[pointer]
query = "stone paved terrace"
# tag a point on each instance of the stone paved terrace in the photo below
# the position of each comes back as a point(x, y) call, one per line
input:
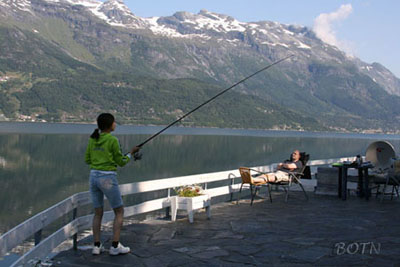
point(323, 231)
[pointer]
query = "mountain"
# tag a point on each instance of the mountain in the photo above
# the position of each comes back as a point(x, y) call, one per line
point(60, 59)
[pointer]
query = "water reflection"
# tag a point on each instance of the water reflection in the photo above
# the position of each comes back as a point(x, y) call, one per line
point(38, 170)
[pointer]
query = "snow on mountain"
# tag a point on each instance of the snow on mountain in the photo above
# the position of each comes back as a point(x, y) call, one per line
point(212, 21)
point(205, 24)
point(188, 25)
point(160, 29)
point(23, 5)
point(114, 12)
point(118, 14)
point(224, 28)
point(380, 75)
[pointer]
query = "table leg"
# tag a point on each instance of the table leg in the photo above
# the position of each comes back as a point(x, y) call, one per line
point(361, 182)
point(366, 190)
point(208, 211)
point(344, 183)
point(360, 186)
point(340, 182)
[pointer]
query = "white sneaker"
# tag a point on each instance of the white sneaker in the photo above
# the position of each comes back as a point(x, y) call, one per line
point(97, 250)
point(119, 250)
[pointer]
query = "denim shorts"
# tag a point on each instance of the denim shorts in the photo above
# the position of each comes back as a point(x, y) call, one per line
point(105, 183)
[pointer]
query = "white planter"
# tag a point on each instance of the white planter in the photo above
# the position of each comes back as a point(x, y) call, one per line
point(190, 204)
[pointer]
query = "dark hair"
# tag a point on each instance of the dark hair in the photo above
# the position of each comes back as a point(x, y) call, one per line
point(104, 122)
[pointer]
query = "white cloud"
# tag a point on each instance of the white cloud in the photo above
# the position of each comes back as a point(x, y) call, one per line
point(323, 27)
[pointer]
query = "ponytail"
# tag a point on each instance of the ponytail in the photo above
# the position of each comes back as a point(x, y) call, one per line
point(95, 134)
point(104, 122)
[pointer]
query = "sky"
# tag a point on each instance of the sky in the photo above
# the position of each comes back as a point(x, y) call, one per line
point(367, 29)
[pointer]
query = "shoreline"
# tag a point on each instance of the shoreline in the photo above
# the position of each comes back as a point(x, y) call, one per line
point(87, 128)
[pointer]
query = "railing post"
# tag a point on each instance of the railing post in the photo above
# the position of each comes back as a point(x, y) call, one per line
point(232, 183)
point(168, 209)
point(75, 236)
point(38, 237)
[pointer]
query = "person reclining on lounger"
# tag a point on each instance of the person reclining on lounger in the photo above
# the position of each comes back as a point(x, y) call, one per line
point(283, 169)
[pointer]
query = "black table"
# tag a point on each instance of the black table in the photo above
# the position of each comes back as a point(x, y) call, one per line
point(363, 179)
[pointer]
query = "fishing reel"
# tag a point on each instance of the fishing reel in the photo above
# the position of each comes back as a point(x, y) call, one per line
point(137, 156)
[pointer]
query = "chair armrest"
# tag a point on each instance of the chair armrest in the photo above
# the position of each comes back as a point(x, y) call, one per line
point(259, 172)
point(296, 173)
point(296, 176)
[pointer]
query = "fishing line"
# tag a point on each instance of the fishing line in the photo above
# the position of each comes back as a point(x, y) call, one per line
point(138, 156)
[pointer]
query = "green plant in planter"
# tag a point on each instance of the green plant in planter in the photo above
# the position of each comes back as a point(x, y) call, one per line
point(189, 191)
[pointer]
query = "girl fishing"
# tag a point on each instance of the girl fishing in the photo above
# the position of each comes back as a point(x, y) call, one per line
point(103, 154)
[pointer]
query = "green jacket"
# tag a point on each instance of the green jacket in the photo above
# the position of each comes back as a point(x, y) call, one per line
point(105, 153)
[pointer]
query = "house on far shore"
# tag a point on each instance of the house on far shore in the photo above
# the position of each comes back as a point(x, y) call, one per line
point(4, 78)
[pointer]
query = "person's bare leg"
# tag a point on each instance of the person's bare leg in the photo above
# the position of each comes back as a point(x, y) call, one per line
point(268, 177)
point(98, 216)
point(271, 177)
point(119, 216)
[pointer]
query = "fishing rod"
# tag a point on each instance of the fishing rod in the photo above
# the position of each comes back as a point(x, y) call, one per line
point(138, 156)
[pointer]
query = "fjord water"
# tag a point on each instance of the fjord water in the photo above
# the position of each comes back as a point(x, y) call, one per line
point(42, 164)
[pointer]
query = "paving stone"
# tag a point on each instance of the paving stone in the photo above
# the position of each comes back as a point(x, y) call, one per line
point(146, 251)
point(261, 240)
point(243, 248)
point(210, 253)
point(234, 264)
point(389, 239)
point(176, 242)
point(347, 260)
point(382, 262)
point(311, 254)
point(305, 241)
point(248, 227)
point(171, 258)
point(153, 261)
point(268, 258)
point(163, 233)
point(209, 263)
point(181, 261)
point(227, 234)
point(280, 247)
point(188, 233)
point(209, 225)
point(392, 250)
point(134, 238)
point(127, 259)
point(142, 228)
point(239, 258)
point(196, 249)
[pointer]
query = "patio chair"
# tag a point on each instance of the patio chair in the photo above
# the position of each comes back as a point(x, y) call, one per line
point(386, 169)
point(390, 178)
point(247, 178)
point(294, 178)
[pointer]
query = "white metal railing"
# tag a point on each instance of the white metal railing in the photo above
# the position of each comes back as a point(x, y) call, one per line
point(35, 224)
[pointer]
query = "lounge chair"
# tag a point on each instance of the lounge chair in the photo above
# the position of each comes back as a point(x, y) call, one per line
point(294, 178)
